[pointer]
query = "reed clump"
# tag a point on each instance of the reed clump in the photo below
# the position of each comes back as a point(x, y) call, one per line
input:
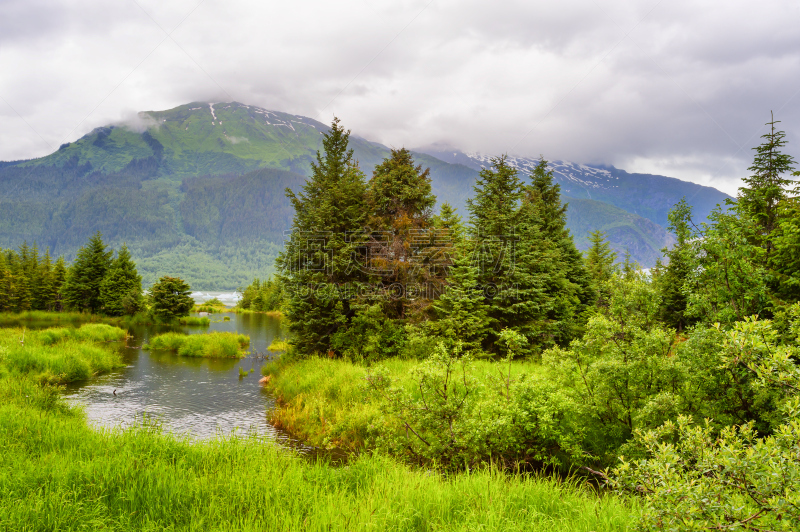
point(195, 321)
point(212, 345)
point(278, 345)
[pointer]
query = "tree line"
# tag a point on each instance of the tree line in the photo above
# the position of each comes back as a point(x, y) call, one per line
point(99, 281)
point(357, 246)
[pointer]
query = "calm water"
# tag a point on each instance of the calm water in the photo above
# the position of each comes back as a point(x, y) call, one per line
point(197, 396)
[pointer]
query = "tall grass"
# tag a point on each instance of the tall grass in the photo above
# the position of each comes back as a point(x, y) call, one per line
point(195, 321)
point(59, 355)
point(56, 474)
point(278, 345)
point(212, 345)
point(41, 316)
point(326, 401)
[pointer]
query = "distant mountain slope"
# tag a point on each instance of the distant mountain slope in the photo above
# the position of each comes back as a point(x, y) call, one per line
point(198, 191)
point(625, 231)
point(650, 196)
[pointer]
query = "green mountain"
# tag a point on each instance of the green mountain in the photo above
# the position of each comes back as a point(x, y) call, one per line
point(198, 192)
point(625, 231)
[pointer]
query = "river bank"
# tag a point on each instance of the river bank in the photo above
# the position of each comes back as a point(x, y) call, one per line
point(56, 473)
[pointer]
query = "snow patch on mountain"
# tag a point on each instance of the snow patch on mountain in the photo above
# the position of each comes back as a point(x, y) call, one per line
point(581, 175)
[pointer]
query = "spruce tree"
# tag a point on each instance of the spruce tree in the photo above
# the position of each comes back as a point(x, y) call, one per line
point(449, 220)
point(600, 265)
point(629, 266)
point(768, 185)
point(400, 200)
point(493, 210)
point(399, 188)
point(323, 260)
point(576, 294)
point(785, 261)
point(171, 298)
point(460, 313)
point(46, 290)
point(82, 288)
point(534, 307)
point(677, 272)
point(20, 298)
point(121, 282)
point(5, 283)
point(519, 269)
point(59, 279)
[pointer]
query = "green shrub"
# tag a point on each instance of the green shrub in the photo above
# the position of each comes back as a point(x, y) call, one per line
point(697, 477)
point(454, 416)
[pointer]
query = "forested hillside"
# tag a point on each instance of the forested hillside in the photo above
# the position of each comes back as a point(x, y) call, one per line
point(198, 192)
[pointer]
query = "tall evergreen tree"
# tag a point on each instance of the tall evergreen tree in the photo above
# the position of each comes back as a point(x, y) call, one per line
point(672, 282)
point(46, 292)
point(493, 210)
point(600, 265)
point(5, 283)
point(768, 185)
point(519, 265)
point(82, 288)
point(20, 298)
point(400, 201)
point(460, 313)
point(785, 261)
point(59, 279)
point(171, 298)
point(121, 282)
point(576, 294)
point(449, 220)
point(323, 261)
point(534, 307)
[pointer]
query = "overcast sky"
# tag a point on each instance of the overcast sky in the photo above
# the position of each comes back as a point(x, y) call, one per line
point(680, 88)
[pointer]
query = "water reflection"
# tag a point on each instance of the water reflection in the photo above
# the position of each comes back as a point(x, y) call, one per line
point(197, 396)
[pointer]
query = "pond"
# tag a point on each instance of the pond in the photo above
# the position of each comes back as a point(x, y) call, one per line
point(186, 395)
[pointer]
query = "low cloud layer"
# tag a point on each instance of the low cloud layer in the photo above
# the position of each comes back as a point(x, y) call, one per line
point(679, 88)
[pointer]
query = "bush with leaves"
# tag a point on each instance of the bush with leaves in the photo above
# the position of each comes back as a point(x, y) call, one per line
point(694, 478)
point(623, 369)
point(454, 418)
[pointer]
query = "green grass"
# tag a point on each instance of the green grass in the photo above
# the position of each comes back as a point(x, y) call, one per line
point(195, 321)
point(57, 474)
point(278, 345)
point(325, 401)
point(212, 306)
point(8, 319)
point(212, 345)
point(59, 355)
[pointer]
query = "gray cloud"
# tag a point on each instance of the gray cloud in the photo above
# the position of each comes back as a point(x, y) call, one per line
point(680, 88)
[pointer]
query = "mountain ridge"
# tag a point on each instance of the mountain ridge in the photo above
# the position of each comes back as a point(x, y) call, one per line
point(198, 191)
point(581, 180)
